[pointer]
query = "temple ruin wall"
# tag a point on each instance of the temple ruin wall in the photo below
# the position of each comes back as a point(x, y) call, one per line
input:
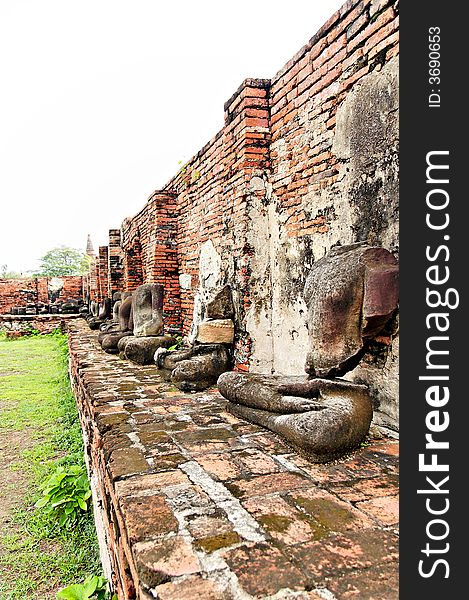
point(20, 292)
point(305, 161)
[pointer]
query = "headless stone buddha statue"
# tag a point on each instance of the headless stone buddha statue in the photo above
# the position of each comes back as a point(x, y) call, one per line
point(109, 339)
point(104, 314)
point(351, 294)
point(94, 308)
point(70, 306)
point(117, 298)
point(113, 323)
point(197, 367)
point(147, 317)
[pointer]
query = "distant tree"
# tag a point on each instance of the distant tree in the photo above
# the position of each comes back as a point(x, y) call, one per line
point(62, 261)
point(85, 264)
point(6, 274)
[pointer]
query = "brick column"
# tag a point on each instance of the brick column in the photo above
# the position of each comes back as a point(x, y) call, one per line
point(115, 263)
point(150, 252)
point(42, 289)
point(133, 269)
point(159, 250)
point(103, 272)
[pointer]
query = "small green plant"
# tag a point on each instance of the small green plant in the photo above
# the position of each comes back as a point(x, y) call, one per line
point(93, 587)
point(178, 344)
point(65, 494)
point(30, 330)
point(187, 177)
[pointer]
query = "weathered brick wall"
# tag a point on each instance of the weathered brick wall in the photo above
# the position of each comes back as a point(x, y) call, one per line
point(333, 179)
point(102, 274)
point(149, 245)
point(43, 290)
point(213, 223)
point(19, 325)
point(20, 292)
point(115, 263)
point(305, 161)
point(72, 287)
point(17, 292)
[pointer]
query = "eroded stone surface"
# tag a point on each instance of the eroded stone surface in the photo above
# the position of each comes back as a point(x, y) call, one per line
point(262, 569)
point(220, 306)
point(147, 309)
point(127, 461)
point(141, 350)
point(121, 326)
point(147, 517)
point(157, 562)
point(193, 588)
point(105, 309)
point(339, 554)
point(216, 331)
point(351, 293)
point(125, 312)
point(323, 418)
point(195, 368)
point(110, 340)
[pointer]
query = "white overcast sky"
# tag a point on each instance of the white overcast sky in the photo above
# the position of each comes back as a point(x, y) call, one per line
point(100, 99)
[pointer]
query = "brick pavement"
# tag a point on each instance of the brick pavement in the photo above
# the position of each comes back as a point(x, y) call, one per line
point(197, 504)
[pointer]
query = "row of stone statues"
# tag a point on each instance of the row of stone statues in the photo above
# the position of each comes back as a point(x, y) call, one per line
point(70, 306)
point(351, 294)
point(133, 328)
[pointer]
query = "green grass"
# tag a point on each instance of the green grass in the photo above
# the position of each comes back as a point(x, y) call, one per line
point(36, 402)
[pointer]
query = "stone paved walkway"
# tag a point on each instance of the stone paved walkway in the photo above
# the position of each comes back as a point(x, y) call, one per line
point(198, 504)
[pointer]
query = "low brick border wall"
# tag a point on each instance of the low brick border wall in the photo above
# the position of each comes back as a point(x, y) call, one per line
point(193, 503)
point(19, 325)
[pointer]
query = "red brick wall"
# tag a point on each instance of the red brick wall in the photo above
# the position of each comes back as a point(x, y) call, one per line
point(102, 272)
point(42, 290)
point(17, 292)
point(20, 292)
point(115, 263)
point(149, 245)
point(72, 287)
point(359, 38)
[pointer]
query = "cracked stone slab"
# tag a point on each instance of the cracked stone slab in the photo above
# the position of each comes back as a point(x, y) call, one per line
point(243, 522)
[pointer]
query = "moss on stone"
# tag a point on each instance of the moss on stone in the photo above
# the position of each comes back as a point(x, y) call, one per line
point(203, 435)
point(326, 512)
point(274, 522)
point(169, 461)
point(210, 544)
